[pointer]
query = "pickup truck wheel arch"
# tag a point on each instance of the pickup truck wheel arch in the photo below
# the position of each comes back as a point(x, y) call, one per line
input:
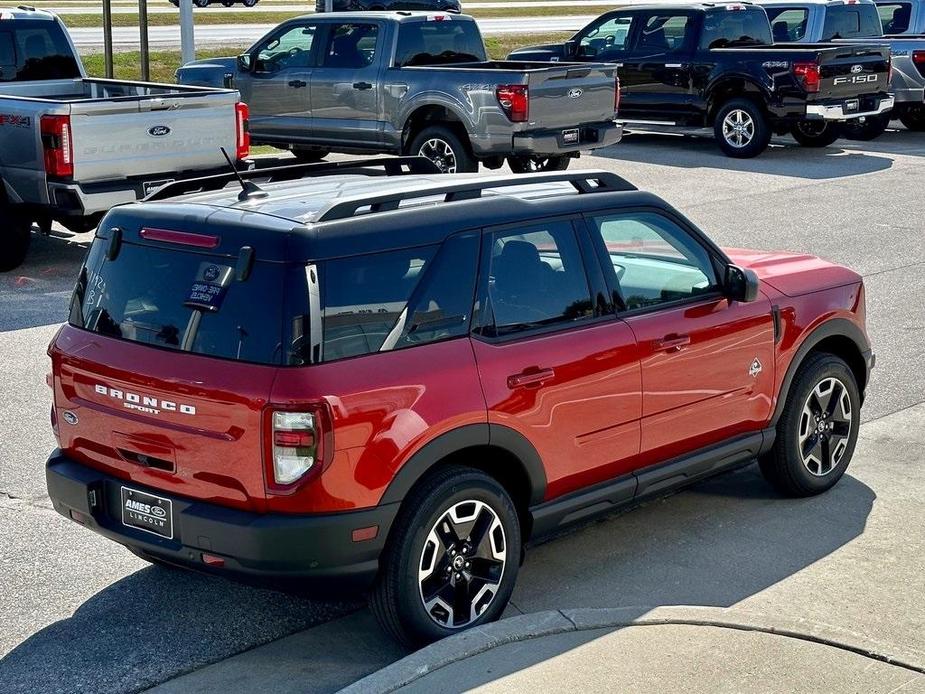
point(723, 92)
point(424, 116)
point(838, 336)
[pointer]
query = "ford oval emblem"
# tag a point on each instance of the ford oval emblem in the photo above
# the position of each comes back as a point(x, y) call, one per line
point(158, 512)
point(855, 69)
point(69, 417)
point(158, 131)
point(574, 93)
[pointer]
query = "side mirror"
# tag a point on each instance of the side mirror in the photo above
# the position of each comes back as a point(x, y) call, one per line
point(244, 62)
point(571, 48)
point(742, 284)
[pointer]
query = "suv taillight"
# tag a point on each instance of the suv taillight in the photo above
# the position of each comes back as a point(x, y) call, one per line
point(515, 101)
point(242, 130)
point(297, 444)
point(808, 75)
point(57, 146)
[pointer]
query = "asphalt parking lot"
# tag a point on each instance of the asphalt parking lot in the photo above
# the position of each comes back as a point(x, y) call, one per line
point(81, 613)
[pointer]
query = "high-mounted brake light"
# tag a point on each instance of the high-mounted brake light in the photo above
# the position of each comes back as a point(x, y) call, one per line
point(181, 237)
point(57, 146)
point(242, 131)
point(297, 445)
point(515, 101)
point(808, 75)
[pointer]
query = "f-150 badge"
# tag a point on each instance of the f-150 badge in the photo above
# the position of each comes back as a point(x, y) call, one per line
point(755, 369)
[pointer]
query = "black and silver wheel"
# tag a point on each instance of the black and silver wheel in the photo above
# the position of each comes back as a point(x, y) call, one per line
point(451, 560)
point(445, 149)
point(15, 238)
point(741, 129)
point(816, 133)
point(870, 128)
point(818, 429)
point(524, 164)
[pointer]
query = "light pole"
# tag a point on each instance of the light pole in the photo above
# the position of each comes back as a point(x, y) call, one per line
point(143, 40)
point(107, 37)
point(187, 38)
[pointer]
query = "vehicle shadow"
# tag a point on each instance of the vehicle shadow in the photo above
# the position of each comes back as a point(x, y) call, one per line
point(37, 292)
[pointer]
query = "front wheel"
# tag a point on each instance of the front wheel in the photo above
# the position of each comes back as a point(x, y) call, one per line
point(451, 560)
point(525, 164)
point(250, 3)
point(870, 129)
point(818, 429)
point(445, 149)
point(15, 238)
point(741, 129)
point(815, 133)
point(201, 3)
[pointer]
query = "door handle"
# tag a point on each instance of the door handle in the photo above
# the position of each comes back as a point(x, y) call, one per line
point(529, 377)
point(298, 84)
point(672, 343)
point(362, 86)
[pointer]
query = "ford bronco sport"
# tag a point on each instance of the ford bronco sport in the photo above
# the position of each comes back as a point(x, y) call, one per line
point(394, 382)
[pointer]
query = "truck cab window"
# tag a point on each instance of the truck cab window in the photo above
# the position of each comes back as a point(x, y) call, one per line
point(351, 46)
point(609, 36)
point(664, 33)
point(727, 28)
point(851, 22)
point(788, 24)
point(895, 17)
point(291, 48)
point(36, 50)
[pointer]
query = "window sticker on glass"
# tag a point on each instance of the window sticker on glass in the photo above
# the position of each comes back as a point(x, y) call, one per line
point(209, 288)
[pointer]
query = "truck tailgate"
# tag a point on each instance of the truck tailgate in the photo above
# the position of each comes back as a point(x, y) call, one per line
point(151, 135)
point(569, 95)
point(853, 71)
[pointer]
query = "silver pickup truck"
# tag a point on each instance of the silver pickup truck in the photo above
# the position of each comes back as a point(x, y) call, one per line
point(414, 83)
point(72, 147)
point(861, 21)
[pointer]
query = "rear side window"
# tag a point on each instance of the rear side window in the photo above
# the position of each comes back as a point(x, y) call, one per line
point(851, 22)
point(895, 16)
point(439, 43)
point(351, 46)
point(725, 28)
point(664, 33)
point(788, 24)
point(36, 50)
point(182, 301)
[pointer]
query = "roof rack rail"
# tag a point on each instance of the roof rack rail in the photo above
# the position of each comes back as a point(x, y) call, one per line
point(378, 166)
point(583, 181)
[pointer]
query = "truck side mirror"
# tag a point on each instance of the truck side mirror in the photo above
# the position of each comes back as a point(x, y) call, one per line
point(741, 284)
point(244, 62)
point(571, 48)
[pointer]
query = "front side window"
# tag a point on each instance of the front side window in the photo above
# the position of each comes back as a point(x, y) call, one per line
point(351, 46)
point(895, 17)
point(290, 49)
point(788, 24)
point(664, 33)
point(608, 36)
point(653, 261)
point(851, 22)
point(536, 279)
point(731, 27)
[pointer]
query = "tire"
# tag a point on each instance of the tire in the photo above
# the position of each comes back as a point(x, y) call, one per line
point(310, 156)
point(816, 133)
point(250, 3)
point(444, 148)
point(227, 3)
point(201, 3)
point(15, 238)
point(872, 128)
point(914, 118)
point(398, 599)
point(520, 165)
point(741, 129)
point(788, 466)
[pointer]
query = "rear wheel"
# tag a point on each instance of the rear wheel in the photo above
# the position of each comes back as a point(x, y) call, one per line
point(15, 237)
point(741, 129)
point(871, 128)
point(445, 149)
point(818, 429)
point(914, 118)
point(520, 165)
point(250, 3)
point(310, 156)
point(815, 133)
point(201, 3)
point(451, 560)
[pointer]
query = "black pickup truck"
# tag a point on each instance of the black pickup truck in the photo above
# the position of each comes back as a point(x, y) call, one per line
point(715, 65)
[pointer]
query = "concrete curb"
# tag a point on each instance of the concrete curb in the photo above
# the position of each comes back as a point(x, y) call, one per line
point(536, 625)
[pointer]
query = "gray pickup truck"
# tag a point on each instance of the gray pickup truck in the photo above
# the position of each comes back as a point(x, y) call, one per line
point(414, 83)
point(905, 20)
point(72, 147)
point(858, 21)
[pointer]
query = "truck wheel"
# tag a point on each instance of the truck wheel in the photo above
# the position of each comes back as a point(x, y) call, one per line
point(818, 429)
point(914, 118)
point(250, 3)
point(444, 148)
point(521, 165)
point(815, 133)
point(741, 129)
point(451, 560)
point(15, 237)
point(310, 156)
point(201, 3)
point(872, 127)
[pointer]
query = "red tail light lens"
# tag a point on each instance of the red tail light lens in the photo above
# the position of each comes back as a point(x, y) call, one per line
point(616, 95)
point(242, 130)
point(808, 75)
point(918, 57)
point(515, 101)
point(299, 441)
point(57, 146)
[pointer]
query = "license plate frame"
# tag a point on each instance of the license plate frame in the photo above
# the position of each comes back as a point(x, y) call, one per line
point(853, 106)
point(148, 187)
point(142, 515)
point(571, 136)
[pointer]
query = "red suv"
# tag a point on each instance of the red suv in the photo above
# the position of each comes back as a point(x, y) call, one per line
point(393, 382)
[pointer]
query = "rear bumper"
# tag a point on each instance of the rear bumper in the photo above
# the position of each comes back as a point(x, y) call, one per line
point(590, 136)
point(836, 111)
point(315, 552)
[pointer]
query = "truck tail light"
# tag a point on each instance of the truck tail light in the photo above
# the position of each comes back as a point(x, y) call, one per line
point(58, 146)
point(242, 130)
point(297, 444)
point(808, 75)
point(515, 101)
point(616, 95)
point(918, 58)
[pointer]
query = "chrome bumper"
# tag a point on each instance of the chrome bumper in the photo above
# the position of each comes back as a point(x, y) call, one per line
point(837, 111)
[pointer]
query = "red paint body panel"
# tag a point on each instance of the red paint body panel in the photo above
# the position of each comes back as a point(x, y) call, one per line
point(793, 274)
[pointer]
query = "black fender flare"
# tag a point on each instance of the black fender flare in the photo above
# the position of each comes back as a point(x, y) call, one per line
point(836, 327)
point(469, 436)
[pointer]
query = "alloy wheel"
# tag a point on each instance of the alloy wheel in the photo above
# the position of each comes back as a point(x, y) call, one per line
point(440, 153)
point(738, 128)
point(462, 564)
point(825, 427)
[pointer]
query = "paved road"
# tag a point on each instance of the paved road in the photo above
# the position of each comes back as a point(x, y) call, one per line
point(80, 612)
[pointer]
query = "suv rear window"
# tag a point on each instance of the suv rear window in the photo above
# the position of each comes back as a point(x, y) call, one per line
point(851, 22)
point(726, 28)
point(439, 43)
point(35, 50)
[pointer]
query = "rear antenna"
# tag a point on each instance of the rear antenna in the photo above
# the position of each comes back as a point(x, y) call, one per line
point(249, 189)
